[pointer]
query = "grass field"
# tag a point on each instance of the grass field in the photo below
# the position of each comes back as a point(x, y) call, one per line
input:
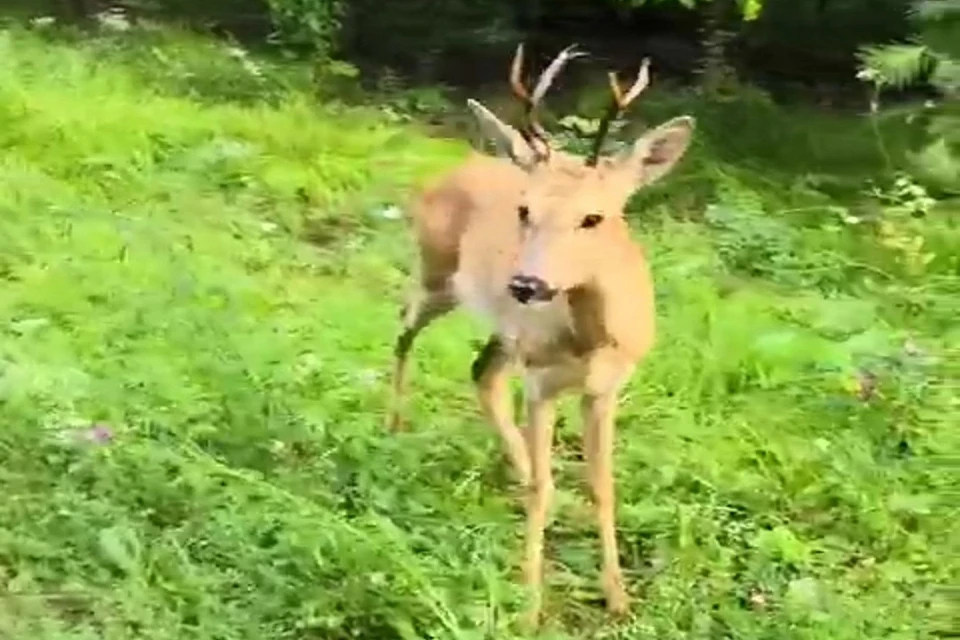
point(198, 298)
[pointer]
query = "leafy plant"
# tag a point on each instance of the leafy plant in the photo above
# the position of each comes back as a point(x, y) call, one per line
point(749, 9)
point(899, 228)
point(312, 25)
point(899, 65)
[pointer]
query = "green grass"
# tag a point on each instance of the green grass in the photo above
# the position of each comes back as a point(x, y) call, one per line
point(155, 278)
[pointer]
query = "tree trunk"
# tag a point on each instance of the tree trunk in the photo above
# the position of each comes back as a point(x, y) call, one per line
point(79, 10)
point(716, 72)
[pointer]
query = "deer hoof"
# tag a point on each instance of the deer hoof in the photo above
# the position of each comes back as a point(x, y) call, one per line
point(618, 602)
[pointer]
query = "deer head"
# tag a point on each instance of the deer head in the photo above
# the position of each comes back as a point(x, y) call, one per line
point(571, 207)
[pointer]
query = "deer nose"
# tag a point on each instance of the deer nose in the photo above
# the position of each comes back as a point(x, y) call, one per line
point(527, 288)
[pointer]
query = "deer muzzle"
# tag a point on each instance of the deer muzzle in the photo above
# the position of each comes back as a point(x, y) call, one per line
point(527, 289)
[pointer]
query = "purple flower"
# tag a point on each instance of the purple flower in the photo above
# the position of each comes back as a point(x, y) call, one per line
point(96, 434)
point(867, 383)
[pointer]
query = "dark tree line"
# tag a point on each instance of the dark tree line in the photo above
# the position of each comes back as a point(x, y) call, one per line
point(800, 39)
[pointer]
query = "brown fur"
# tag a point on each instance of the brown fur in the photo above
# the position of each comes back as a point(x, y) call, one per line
point(587, 339)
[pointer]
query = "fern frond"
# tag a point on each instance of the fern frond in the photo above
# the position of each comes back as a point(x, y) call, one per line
point(946, 126)
point(946, 76)
point(895, 65)
point(928, 10)
point(937, 162)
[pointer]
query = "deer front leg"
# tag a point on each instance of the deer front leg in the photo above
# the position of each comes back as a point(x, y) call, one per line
point(541, 412)
point(491, 373)
point(598, 415)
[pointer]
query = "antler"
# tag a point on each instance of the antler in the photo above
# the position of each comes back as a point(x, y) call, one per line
point(618, 105)
point(532, 130)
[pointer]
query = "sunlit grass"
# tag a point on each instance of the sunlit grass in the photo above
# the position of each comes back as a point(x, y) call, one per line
point(156, 281)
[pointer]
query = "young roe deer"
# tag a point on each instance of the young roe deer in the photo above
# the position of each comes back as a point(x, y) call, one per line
point(537, 244)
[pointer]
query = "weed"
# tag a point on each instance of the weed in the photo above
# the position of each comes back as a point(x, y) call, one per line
point(191, 392)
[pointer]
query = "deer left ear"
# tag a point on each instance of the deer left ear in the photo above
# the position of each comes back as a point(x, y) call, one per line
point(656, 152)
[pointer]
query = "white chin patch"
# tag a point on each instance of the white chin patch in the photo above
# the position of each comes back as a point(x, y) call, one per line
point(536, 304)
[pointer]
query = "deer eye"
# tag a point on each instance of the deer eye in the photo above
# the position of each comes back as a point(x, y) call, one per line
point(591, 220)
point(523, 212)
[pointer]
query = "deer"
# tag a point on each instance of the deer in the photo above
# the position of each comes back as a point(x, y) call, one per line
point(534, 240)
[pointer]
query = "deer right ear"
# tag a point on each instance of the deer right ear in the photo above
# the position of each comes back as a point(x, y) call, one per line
point(508, 140)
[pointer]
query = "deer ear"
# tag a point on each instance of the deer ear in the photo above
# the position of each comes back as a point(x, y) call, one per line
point(508, 140)
point(656, 152)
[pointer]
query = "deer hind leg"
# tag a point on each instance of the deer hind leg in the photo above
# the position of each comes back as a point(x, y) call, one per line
point(424, 307)
point(491, 374)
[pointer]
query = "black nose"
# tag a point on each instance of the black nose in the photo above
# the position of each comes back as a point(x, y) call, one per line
point(527, 288)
